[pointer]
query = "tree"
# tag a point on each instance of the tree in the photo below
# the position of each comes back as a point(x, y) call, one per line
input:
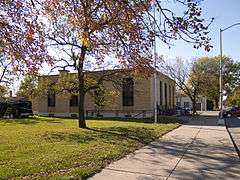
point(187, 78)
point(207, 68)
point(21, 38)
point(32, 86)
point(88, 31)
point(233, 99)
point(99, 97)
point(28, 87)
point(3, 90)
point(6, 76)
point(5, 71)
point(202, 77)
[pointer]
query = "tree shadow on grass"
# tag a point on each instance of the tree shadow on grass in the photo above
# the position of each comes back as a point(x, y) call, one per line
point(69, 137)
point(139, 134)
point(50, 120)
point(112, 135)
point(29, 120)
point(161, 119)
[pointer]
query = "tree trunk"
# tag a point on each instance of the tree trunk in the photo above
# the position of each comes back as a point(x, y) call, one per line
point(81, 115)
point(194, 106)
point(216, 103)
point(194, 98)
point(81, 90)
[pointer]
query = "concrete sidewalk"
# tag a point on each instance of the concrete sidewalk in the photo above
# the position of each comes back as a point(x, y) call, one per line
point(199, 150)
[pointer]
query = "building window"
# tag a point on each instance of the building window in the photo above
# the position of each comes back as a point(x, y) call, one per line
point(161, 94)
point(127, 92)
point(186, 104)
point(173, 96)
point(74, 100)
point(170, 96)
point(165, 94)
point(51, 99)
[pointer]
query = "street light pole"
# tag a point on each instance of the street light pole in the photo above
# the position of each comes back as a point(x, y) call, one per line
point(155, 65)
point(221, 119)
point(220, 76)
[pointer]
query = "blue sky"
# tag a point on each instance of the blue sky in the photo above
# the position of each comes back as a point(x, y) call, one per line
point(225, 12)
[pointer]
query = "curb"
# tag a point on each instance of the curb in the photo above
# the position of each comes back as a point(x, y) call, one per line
point(234, 144)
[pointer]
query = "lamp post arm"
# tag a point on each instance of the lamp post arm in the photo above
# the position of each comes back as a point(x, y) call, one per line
point(229, 27)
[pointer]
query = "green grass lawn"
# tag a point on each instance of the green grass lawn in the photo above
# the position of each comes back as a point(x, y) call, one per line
point(52, 148)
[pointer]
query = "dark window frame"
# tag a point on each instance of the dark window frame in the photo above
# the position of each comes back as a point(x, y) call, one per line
point(161, 93)
point(51, 98)
point(165, 94)
point(173, 95)
point(73, 102)
point(170, 95)
point(128, 92)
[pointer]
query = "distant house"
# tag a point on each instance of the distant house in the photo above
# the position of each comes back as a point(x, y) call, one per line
point(184, 101)
point(135, 98)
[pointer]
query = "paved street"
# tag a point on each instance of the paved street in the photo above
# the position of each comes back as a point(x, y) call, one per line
point(233, 125)
point(199, 150)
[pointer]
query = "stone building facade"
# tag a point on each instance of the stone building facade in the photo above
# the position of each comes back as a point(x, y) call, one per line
point(135, 98)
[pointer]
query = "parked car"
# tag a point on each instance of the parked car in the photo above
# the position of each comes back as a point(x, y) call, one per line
point(231, 112)
point(15, 108)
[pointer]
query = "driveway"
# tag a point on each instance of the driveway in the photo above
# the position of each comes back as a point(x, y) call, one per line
point(198, 150)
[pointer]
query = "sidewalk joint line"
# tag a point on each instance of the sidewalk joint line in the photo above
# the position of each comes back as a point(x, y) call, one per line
point(187, 148)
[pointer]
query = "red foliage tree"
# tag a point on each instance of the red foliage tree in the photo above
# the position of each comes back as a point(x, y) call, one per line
point(123, 28)
point(21, 38)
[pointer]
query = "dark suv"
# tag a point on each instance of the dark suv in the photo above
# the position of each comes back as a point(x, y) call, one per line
point(15, 108)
